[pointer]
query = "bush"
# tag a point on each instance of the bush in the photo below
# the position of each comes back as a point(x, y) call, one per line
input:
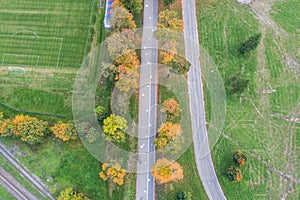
point(70, 194)
point(28, 129)
point(250, 44)
point(64, 131)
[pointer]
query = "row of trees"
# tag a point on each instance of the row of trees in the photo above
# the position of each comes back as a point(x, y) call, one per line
point(169, 131)
point(32, 130)
point(171, 26)
point(234, 173)
point(238, 83)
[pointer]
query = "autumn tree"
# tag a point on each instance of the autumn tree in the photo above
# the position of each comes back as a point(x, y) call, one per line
point(165, 171)
point(179, 64)
point(166, 133)
point(134, 6)
point(70, 194)
point(239, 158)
point(28, 129)
point(125, 62)
point(129, 81)
point(250, 44)
point(113, 172)
point(64, 131)
point(121, 18)
point(170, 19)
point(120, 43)
point(234, 174)
point(114, 128)
point(171, 107)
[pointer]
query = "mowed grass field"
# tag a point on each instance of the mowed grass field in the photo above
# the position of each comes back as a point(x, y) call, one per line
point(43, 33)
point(47, 91)
point(272, 143)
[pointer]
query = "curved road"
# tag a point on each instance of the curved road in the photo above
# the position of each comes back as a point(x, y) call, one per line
point(201, 146)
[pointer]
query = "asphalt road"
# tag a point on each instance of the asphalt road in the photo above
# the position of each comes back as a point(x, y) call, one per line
point(201, 146)
point(145, 186)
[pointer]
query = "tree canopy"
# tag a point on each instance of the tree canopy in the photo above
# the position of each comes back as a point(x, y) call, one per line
point(113, 172)
point(250, 44)
point(28, 129)
point(64, 131)
point(114, 128)
point(134, 6)
point(234, 174)
point(165, 171)
point(70, 194)
point(121, 18)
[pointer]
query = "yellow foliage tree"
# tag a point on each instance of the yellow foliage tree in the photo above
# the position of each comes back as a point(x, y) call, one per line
point(113, 172)
point(64, 131)
point(70, 194)
point(165, 171)
point(114, 128)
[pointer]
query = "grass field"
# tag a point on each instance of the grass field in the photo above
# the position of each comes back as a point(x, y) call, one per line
point(67, 165)
point(45, 33)
point(272, 143)
point(39, 90)
point(5, 194)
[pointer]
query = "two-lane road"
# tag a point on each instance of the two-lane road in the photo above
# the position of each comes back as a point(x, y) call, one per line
point(147, 104)
point(201, 145)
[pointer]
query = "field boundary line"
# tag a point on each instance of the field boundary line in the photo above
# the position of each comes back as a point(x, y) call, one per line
point(13, 64)
point(34, 36)
point(89, 32)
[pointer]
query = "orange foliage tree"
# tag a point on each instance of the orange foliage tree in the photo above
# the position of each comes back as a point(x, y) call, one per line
point(64, 131)
point(165, 171)
point(171, 107)
point(113, 172)
point(166, 133)
point(234, 174)
point(239, 158)
point(28, 129)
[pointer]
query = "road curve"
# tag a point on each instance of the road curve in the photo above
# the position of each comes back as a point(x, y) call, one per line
point(201, 146)
point(14, 187)
point(34, 181)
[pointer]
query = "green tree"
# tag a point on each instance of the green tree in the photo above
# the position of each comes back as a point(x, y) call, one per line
point(114, 128)
point(169, 2)
point(180, 195)
point(134, 6)
point(237, 84)
point(250, 44)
